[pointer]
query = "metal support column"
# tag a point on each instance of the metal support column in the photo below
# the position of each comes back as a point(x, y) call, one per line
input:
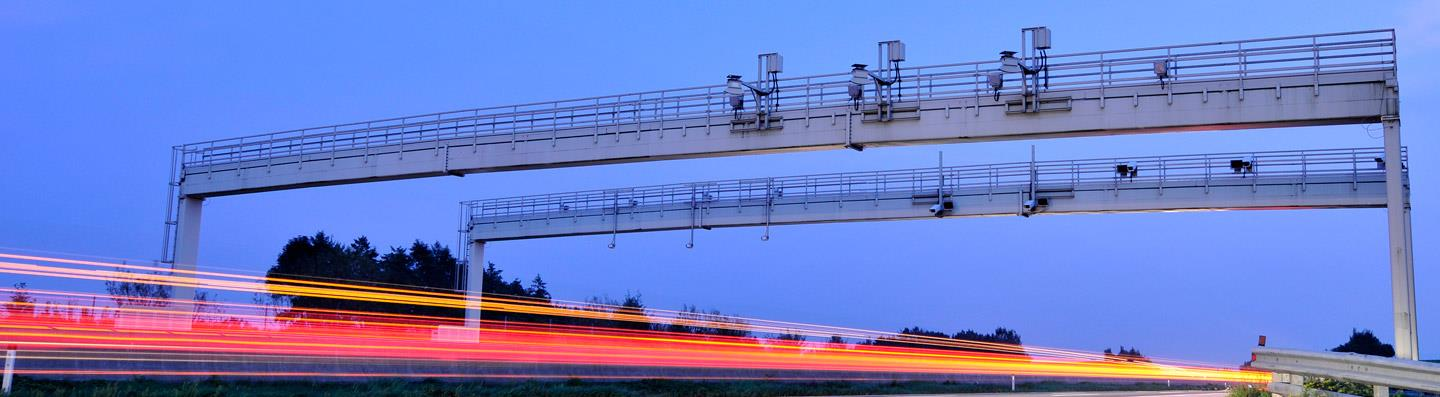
point(1402, 265)
point(9, 376)
point(187, 255)
point(474, 284)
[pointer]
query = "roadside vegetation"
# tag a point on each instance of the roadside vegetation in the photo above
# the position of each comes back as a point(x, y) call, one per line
point(1248, 391)
point(1361, 342)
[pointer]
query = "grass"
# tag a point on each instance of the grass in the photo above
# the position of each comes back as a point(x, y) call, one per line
point(1246, 391)
point(27, 387)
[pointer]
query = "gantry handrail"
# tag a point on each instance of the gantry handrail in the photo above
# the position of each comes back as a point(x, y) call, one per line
point(1306, 55)
point(1161, 171)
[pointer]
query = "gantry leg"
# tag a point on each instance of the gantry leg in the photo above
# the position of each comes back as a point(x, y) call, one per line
point(187, 254)
point(475, 283)
point(1402, 263)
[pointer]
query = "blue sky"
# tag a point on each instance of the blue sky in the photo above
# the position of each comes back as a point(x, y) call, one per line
point(92, 95)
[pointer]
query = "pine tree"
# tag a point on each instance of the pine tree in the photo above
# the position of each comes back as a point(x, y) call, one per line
point(537, 289)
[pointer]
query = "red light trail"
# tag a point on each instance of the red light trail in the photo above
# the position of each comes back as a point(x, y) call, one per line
point(231, 339)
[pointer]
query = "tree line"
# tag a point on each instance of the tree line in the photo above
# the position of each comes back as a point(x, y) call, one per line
point(433, 267)
point(421, 267)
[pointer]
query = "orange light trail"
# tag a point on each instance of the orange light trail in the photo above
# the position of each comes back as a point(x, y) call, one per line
point(245, 334)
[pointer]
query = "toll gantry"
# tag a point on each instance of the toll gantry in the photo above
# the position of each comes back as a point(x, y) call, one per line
point(1336, 178)
point(1323, 79)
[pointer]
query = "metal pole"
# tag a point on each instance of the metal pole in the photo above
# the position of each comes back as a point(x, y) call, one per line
point(187, 256)
point(474, 284)
point(9, 370)
point(166, 254)
point(940, 189)
point(1402, 266)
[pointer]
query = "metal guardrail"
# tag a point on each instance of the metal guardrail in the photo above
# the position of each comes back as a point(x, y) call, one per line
point(1370, 370)
point(1203, 169)
point(1308, 55)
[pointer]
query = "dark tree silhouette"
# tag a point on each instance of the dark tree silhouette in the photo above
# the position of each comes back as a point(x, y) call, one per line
point(137, 293)
point(1361, 342)
point(916, 337)
point(632, 305)
point(21, 302)
point(321, 258)
point(1365, 342)
point(537, 289)
point(789, 336)
point(610, 313)
point(691, 320)
point(1130, 355)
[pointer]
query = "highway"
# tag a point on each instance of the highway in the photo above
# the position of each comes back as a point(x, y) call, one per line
point(1172, 393)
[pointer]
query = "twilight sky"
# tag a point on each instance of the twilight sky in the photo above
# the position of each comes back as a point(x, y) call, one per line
point(92, 95)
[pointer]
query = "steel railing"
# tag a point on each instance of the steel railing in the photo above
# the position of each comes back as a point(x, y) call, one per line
point(1156, 171)
point(1369, 370)
point(1308, 55)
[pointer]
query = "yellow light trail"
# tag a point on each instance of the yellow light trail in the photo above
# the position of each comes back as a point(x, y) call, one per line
point(250, 332)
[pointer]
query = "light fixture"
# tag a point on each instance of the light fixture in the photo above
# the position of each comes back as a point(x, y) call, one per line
point(859, 77)
point(1009, 63)
point(1242, 166)
point(733, 86)
point(735, 91)
point(1163, 69)
point(1126, 171)
point(997, 81)
point(858, 74)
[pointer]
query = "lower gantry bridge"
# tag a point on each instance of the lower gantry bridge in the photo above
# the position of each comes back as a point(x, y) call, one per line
point(1336, 178)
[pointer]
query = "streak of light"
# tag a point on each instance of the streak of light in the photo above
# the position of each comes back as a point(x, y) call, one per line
point(249, 333)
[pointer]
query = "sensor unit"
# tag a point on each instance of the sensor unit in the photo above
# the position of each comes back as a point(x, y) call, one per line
point(896, 50)
point(1040, 37)
point(1162, 69)
point(1009, 63)
point(774, 63)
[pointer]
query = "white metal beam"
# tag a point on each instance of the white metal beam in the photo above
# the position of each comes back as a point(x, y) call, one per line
point(1267, 193)
point(1319, 79)
point(474, 284)
point(1276, 180)
point(1349, 97)
point(1371, 370)
point(1402, 265)
point(187, 256)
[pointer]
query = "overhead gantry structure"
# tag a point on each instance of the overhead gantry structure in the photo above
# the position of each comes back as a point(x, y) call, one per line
point(1325, 79)
point(1275, 180)
point(1334, 178)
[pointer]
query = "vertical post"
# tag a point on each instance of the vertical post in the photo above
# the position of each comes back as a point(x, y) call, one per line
point(187, 254)
point(1012, 382)
point(474, 284)
point(1402, 266)
point(9, 370)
